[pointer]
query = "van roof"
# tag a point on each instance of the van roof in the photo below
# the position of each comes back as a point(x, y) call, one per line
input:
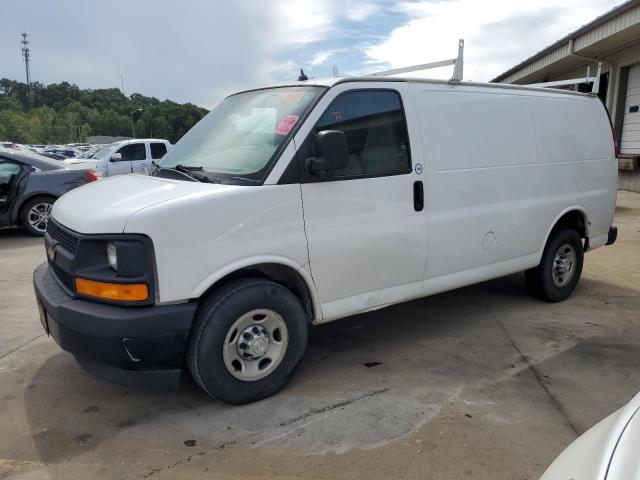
point(331, 81)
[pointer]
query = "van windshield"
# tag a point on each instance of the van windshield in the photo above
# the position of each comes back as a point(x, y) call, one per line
point(239, 138)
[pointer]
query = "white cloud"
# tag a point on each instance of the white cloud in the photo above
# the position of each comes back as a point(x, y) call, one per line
point(201, 50)
point(320, 58)
point(195, 50)
point(306, 21)
point(359, 11)
point(497, 33)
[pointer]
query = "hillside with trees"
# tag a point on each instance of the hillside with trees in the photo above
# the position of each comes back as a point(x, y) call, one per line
point(63, 113)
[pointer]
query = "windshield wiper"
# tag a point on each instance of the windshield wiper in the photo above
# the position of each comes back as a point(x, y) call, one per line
point(188, 168)
point(191, 172)
point(244, 179)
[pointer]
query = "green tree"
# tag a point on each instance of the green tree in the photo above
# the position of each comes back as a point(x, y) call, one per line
point(64, 113)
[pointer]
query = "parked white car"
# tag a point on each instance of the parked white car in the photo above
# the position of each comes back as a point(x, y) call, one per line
point(304, 203)
point(607, 451)
point(129, 156)
point(10, 145)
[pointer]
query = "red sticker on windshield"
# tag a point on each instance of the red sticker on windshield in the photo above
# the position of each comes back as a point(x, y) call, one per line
point(286, 124)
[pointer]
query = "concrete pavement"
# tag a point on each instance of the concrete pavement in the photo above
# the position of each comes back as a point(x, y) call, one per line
point(484, 382)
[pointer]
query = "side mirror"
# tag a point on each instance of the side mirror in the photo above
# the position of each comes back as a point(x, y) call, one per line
point(333, 153)
point(116, 157)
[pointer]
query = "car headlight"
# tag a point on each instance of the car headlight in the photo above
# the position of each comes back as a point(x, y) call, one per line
point(116, 269)
point(112, 256)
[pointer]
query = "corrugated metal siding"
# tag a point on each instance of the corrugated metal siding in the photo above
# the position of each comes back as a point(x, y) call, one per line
point(578, 72)
point(629, 180)
point(530, 68)
point(625, 57)
point(630, 140)
point(611, 27)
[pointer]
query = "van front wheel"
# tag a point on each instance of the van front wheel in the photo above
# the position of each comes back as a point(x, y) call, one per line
point(248, 338)
point(560, 268)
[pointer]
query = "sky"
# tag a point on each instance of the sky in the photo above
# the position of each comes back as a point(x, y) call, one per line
point(199, 51)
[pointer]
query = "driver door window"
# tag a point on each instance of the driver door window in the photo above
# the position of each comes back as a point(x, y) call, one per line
point(373, 122)
point(133, 152)
point(9, 171)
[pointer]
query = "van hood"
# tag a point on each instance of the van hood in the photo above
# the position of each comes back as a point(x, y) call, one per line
point(105, 206)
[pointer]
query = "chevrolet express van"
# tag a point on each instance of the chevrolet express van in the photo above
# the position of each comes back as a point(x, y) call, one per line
point(303, 203)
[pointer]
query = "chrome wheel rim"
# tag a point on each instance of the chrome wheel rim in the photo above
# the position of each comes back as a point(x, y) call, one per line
point(38, 216)
point(255, 345)
point(564, 265)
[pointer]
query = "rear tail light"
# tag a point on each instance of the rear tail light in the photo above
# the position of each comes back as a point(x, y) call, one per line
point(92, 175)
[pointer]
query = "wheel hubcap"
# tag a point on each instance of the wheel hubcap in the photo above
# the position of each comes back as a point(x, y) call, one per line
point(253, 342)
point(563, 266)
point(39, 215)
point(255, 345)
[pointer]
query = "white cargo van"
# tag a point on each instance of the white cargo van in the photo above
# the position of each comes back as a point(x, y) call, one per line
point(303, 203)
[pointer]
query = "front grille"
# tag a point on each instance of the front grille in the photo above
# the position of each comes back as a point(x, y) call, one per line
point(65, 239)
point(65, 278)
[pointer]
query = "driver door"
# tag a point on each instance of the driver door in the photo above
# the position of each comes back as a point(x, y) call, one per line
point(130, 152)
point(366, 228)
point(10, 175)
point(143, 164)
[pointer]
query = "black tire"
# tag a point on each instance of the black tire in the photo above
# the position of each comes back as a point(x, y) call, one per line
point(214, 319)
point(26, 208)
point(540, 279)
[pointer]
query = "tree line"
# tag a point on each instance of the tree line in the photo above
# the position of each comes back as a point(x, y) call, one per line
point(63, 113)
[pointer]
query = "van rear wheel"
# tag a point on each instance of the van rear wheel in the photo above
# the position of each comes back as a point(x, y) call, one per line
point(248, 339)
point(560, 267)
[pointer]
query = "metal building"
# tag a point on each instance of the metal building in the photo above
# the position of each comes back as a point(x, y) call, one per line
point(614, 40)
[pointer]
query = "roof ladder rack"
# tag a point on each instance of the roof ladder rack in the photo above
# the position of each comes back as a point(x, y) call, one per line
point(458, 64)
point(576, 81)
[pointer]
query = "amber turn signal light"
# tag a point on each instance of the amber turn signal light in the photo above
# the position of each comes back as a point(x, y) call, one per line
point(126, 292)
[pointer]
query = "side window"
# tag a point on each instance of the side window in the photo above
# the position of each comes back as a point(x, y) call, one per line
point(158, 150)
point(8, 172)
point(132, 152)
point(7, 169)
point(374, 123)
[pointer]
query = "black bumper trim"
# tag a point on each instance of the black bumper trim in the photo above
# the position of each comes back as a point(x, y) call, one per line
point(156, 336)
point(156, 379)
point(613, 235)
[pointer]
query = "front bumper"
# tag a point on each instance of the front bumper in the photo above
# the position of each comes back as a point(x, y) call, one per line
point(137, 346)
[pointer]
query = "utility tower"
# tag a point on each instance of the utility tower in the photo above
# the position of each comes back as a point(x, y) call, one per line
point(25, 55)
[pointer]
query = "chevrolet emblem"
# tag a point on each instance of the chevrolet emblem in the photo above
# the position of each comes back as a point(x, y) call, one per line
point(51, 251)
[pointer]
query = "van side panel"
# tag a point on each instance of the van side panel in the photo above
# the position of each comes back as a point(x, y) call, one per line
point(575, 133)
point(206, 240)
point(501, 166)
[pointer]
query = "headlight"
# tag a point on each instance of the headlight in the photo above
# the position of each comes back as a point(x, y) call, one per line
point(112, 256)
point(115, 268)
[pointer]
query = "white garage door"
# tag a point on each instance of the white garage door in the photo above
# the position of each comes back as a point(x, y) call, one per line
point(630, 142)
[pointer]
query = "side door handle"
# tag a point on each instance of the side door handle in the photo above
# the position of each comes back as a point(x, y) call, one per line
point(418, 196)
